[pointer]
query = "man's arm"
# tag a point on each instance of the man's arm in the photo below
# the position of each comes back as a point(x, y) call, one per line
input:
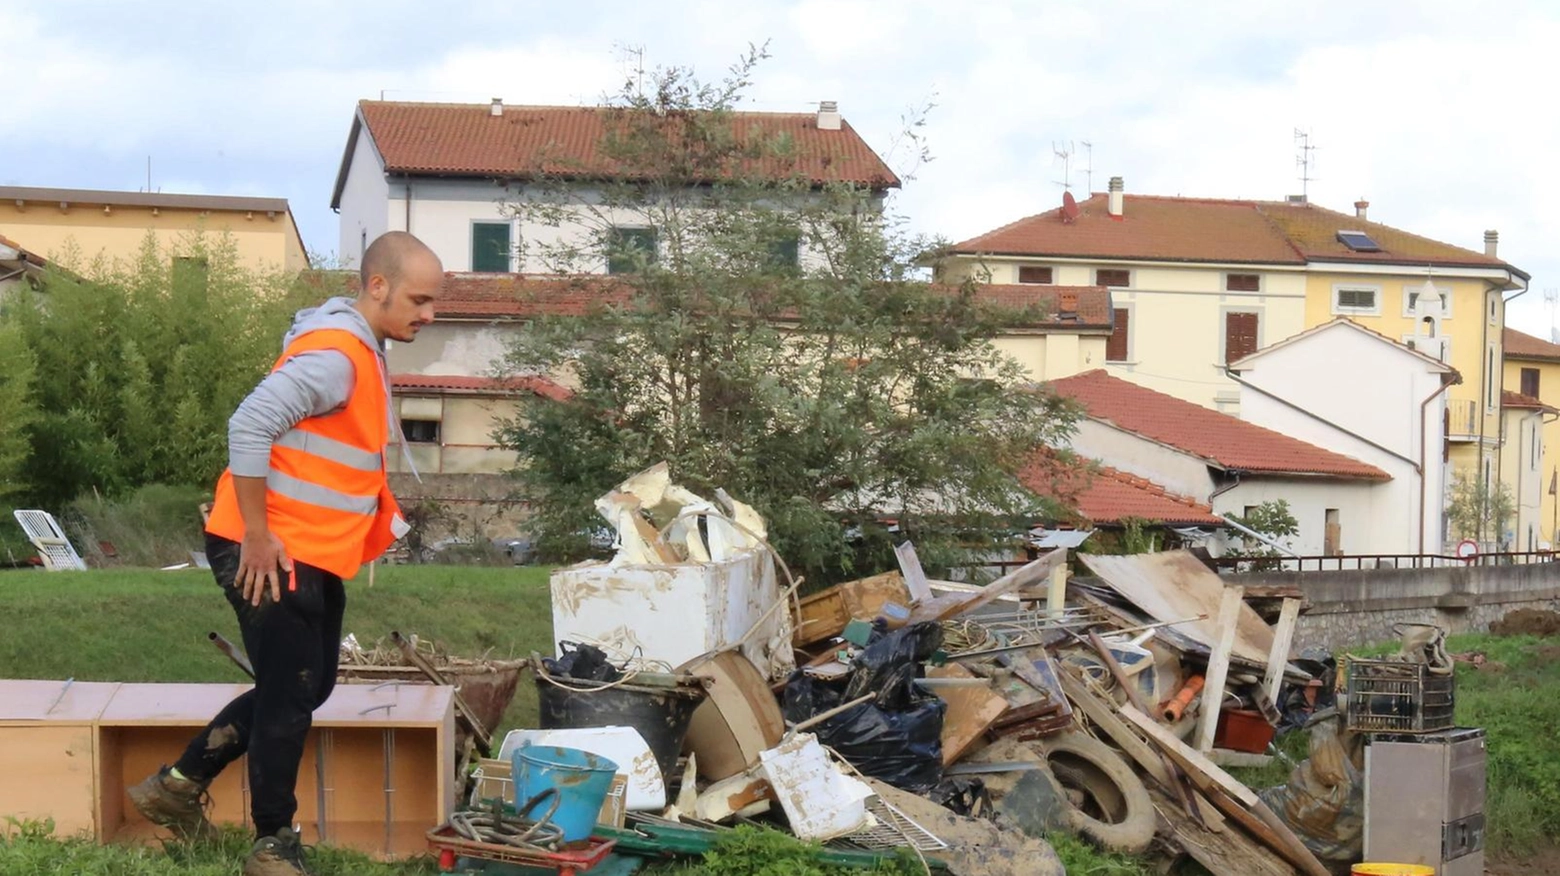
point(308, 384)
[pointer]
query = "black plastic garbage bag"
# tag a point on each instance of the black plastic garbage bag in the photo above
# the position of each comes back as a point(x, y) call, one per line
point(584, 662)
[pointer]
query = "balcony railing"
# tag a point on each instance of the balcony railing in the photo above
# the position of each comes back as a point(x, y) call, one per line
point(1462, 419)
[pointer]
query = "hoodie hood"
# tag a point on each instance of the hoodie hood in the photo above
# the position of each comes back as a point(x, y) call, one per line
point(335, 313)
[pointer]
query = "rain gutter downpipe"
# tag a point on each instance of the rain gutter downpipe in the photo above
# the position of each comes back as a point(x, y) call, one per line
point(1424, 460)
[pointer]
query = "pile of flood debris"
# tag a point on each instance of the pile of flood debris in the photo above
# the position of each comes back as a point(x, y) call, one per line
point(1101, 695)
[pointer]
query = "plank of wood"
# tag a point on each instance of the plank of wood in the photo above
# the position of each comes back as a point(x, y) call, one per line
point(1219, 665)
point(1227, 853)
point(952, 604)
point(1104, 716)
point(1283, 639)
point(971, 710)
point(1056, 592)
point(1236, 800)
point(915, 576)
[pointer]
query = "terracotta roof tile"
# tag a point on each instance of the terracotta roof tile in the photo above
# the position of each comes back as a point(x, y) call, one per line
point(1211, 230)
point(1081, 306)
point(1517, 345)
point(467, 140)
point(1108, 496)
point(479, 385)
point(1509, 399)
point(1223, 441)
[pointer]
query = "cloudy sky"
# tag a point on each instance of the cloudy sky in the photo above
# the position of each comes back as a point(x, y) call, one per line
point(1441, 114)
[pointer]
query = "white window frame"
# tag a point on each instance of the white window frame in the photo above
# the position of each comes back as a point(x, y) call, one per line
point(1339, 310)
point(1412, 289)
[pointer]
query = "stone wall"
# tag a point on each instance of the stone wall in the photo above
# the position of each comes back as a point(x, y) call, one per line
point(1352, 608)
point(481, 503)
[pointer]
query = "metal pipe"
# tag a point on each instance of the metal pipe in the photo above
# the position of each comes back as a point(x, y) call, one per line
point(233, 653)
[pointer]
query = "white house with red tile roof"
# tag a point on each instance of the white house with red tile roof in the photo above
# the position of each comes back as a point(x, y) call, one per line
point(1309, 387)
point(1231, 465)
point(445, 172)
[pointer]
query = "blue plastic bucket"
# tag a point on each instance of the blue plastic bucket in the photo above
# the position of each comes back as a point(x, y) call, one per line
point(580, 779)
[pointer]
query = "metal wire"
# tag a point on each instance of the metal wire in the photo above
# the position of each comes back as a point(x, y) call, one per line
point(496, 827)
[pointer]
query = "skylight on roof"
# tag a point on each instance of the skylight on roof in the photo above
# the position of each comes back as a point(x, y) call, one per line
point(1358, 241)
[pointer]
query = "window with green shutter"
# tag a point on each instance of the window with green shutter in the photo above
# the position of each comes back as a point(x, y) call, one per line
point(629, 248)
point(490, 247)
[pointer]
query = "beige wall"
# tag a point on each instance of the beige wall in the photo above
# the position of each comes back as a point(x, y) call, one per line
point(1055, 355)
point(1549, 393)
point(263, 243)
point(466, 443)
point(1521, 470)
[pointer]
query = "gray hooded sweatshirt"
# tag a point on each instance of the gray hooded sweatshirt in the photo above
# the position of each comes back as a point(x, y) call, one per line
point(309, 384)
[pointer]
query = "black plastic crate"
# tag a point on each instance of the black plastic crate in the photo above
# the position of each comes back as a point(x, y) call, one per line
point(1394, 696)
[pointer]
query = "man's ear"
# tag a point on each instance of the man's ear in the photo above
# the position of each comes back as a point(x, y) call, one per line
point(378, 288)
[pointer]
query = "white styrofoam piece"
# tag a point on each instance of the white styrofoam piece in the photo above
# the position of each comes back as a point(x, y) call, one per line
point(820, 802)
point(623, 746)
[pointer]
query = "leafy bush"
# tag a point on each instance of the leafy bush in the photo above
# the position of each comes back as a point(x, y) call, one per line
point(156, 525)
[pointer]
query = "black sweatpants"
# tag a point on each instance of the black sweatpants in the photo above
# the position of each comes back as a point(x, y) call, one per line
point(294, 646)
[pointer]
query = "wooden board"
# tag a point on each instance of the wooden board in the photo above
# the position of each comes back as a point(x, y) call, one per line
point(1230, 605)
point(953, 604)
point(1229, 853)
point(738, 719)
point(971, 710)
point(915, 576)
point(825, 614)
point(49, 774)
point(1283, 639)
point(57, 702)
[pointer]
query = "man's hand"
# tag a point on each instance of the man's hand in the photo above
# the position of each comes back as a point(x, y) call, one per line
point(259, 557)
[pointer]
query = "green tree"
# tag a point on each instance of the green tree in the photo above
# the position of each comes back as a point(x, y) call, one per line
point(138, 364)
point(1479, 509)
point(1272, 519)
point(18, 411)
point(770, 336)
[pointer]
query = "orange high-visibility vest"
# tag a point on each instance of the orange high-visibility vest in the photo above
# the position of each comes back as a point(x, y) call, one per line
point(327, 496)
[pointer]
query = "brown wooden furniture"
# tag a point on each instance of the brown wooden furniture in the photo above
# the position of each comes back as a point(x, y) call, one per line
point(48, 752)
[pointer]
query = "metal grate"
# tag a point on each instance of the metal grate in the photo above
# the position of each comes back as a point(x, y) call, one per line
point(894, 830)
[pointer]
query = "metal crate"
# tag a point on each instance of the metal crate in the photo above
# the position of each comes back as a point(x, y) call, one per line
point(1394, 696)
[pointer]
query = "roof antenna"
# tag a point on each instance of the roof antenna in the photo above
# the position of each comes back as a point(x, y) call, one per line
point(1551, 298)
point(1066, 156)
point(1088, 171)
point(1305, 161)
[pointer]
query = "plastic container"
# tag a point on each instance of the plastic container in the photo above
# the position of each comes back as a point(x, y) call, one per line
point(580, 780)
point(1392, 696)
point(621, 745)
point(660, 714)
point(1392, 870)
point(1243, 730)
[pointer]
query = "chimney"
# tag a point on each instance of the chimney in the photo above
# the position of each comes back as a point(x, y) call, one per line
point(497, 109)
point(828, 116)
point(1116, 197)
point(1491, 241)
point(1360, 207)
point(1067, 305)
point(1296, 199)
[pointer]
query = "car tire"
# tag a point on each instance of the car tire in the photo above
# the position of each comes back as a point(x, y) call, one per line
point(1116, 812)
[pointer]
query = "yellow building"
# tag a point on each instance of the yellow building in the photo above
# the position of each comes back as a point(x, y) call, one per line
point(1533, 371)
point(115, 224)
point(1197, 283)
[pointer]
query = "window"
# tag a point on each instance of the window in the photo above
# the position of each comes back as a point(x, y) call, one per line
point(490, 247)
point(1411, 294)
point(1112, 277)
point(785, 252)
point(1243, 282)
point(1240, 335)
point(1530, 382)
point(1332, 533)
point(1489, 380)
point(1357, 299)
point(1434, 347)
point(420, 431)
point(1117, 349)
point(1035, 274)
point(1494, 309)
point(629, 249)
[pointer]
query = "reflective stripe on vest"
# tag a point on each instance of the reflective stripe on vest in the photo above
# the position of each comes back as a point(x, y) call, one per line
point(329, 448)
point(325, 497)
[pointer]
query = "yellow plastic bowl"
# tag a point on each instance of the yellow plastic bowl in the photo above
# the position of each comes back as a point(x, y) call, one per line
point(1392, 870)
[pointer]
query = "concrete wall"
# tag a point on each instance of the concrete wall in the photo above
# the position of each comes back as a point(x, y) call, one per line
point(1054, 355)
point(466, 428)
point(1169, 468)
point(1549, 393)
point(1349, 609)
point(1521, 470)
point(465, 348)
point(1368, 513)
point(365, 202)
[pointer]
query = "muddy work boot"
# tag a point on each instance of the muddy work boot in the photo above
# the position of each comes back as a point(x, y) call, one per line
point(279, 855)
point(174, 803)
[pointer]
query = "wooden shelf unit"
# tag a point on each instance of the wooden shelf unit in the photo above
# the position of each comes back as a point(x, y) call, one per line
point(377, 772)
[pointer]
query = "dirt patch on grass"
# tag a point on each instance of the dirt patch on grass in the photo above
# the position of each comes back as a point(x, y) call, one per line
point(1528, 622)
point(1544, 863)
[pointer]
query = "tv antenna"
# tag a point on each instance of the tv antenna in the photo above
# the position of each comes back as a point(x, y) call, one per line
point(1305, 161)
point(1088, 170)
point(1551, 299)
point(1066, 156)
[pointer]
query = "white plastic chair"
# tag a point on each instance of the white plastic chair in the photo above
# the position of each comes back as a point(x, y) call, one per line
point(50, 540)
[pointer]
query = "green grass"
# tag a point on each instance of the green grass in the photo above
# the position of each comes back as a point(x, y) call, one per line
point(137, 625)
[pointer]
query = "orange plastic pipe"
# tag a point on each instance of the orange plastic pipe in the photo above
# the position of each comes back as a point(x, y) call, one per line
point(1176, 707)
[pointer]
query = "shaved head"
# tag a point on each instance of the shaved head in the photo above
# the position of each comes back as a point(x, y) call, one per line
point(388, 256)
point(401, 279)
